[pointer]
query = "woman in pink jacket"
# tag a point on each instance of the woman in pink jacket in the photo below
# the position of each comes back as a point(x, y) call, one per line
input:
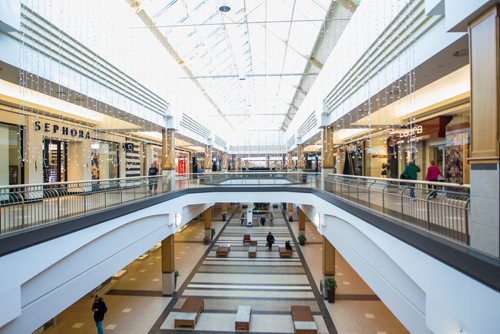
point(433, 174)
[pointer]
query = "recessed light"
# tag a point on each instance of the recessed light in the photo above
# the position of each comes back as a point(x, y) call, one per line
point(224, 8)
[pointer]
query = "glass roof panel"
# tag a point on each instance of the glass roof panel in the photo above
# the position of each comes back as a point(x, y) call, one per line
point(248, 60)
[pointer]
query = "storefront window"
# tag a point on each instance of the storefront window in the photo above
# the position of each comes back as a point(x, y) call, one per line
point(105, 160)
point(11, 167)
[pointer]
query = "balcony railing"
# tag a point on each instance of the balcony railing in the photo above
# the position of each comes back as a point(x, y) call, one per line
point(441, 208)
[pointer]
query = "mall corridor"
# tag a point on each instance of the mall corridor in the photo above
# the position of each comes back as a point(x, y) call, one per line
point(267, 283)
point(368, 129)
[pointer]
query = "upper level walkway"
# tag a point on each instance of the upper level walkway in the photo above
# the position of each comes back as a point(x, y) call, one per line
point(394, 233)
point(441, 208)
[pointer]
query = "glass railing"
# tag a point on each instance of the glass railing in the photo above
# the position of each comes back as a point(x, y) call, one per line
point(438, 207)
point(441, 208)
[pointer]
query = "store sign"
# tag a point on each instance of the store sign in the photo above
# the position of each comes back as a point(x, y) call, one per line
point(413, 134)
point(62, 130)
point(414, 131)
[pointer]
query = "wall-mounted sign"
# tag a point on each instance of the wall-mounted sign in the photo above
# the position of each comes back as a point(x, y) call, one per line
point(61, 130)
point(429, 129)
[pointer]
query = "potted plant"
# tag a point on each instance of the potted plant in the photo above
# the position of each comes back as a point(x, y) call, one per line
point(330, 286)
point(302, 239)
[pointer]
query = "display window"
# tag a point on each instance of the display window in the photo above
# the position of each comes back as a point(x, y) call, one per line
point(105, 160)
point(11, 153)
point(55, 161)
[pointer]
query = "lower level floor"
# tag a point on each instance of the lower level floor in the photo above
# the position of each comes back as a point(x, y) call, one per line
point(267, 283)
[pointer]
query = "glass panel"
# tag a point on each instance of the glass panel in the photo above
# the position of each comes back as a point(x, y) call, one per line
point(105, 160)
point(10, 153)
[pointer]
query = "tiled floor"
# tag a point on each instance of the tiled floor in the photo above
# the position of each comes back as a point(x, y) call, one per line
point(267, 283)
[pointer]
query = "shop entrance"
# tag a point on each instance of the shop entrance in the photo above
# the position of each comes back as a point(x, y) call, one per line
point(55, 154)
point(439, 155)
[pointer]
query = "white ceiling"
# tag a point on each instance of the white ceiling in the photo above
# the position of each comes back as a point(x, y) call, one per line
point(249, 60)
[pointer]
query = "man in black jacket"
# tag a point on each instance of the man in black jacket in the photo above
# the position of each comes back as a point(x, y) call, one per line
point(270, 240)
point(99, 308)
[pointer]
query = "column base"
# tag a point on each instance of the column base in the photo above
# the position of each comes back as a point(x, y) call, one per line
point(168, 283)
point(169, 184)
point(208, 237)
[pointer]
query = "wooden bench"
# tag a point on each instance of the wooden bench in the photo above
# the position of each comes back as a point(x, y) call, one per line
point(247, 240)
point(252, 252)
point(242, 321)
point(285, 252)
point(189, 313)
point(303, 320)
point(223, 250)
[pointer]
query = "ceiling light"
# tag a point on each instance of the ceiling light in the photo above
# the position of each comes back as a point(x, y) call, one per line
point(224, 8)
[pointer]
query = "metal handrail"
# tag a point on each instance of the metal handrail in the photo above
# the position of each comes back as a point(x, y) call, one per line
point(439, 207)
point(442, 208)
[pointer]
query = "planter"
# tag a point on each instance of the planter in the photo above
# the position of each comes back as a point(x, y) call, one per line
point(331, 296)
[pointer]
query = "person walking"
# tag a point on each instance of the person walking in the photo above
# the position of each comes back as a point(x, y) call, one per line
point(410, 173)
point(153, 171)
point(99, 308)
point(433, 174)
point(270, 240)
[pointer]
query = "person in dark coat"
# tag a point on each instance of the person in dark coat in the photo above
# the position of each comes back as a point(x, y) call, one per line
point(153, 182)
point(99, 308)
point(270, 240)
point(288, 246)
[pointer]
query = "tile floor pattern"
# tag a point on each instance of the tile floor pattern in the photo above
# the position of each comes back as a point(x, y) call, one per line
point(267, 283)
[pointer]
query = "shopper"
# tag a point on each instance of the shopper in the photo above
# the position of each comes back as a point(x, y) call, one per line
point(262, 221)
point(153, 182)
point(270, 240)
point(410, 173)
point(288, 246)
point(99, 308)
point(433, 175)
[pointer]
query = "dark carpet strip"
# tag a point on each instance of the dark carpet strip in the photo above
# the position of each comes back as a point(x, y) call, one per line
point(357, 297)
point(138, 293)
point(324, 311)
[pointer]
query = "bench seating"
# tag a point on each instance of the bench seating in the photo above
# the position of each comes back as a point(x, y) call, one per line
point(242, 321)
point(303, 320)
point(285, 252)
point(247, 240)
point(252, 252)
point(189, 313)
point(223, 250)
